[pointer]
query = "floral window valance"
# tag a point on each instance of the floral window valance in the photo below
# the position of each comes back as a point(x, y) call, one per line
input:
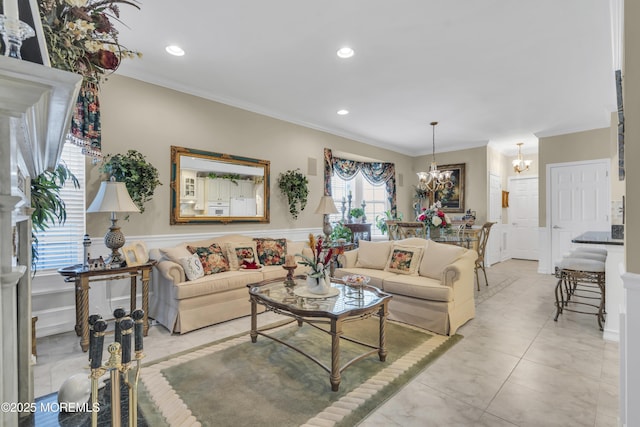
point(374, 172)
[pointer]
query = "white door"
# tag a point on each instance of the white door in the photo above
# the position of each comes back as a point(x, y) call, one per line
point(523, 217)
point(494, 246)
point(579, 201)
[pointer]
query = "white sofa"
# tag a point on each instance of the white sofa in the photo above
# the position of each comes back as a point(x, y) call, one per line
point(434, 291)
point(182, 305)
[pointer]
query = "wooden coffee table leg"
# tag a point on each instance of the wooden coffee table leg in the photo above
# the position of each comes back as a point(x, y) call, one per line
point(336, 332)
point(382, 350)
point(254, 321)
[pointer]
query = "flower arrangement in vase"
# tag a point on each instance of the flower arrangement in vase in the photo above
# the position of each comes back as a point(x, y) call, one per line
point(319, 264)
point(81, 38)
point(434, 217)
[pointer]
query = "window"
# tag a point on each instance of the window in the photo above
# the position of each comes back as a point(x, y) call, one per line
point(374, 196)
point(61, 245)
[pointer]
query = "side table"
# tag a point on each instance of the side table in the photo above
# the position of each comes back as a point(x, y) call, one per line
point(359, 231)
point(81, 279)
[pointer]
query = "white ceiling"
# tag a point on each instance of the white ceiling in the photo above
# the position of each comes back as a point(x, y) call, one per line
point(499, 71)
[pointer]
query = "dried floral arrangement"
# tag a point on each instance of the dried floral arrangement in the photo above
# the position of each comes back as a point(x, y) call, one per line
point(81, 37)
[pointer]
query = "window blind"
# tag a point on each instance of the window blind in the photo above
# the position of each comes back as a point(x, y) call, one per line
point(61, 245)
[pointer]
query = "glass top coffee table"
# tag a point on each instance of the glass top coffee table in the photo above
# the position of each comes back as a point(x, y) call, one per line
point(346, 305)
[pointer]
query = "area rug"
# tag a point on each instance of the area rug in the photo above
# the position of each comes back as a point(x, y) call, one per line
point(238, 383)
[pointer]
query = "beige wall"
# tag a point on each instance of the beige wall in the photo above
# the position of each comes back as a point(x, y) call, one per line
point(572, 147)
point(475, 160)
point(631, 85)
point(149, 118)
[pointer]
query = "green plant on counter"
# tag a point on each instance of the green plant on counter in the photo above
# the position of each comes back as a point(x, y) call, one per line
point(381, 222)
point(294, 185)
point(233, 177)
point(140, 176)
point(340, 231)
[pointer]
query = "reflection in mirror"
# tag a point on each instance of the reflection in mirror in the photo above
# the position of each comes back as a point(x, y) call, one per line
point(209, 187)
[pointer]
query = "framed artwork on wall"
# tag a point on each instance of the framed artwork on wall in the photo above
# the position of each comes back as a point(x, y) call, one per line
point(452, 199)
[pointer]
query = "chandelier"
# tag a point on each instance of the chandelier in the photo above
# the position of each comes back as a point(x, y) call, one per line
point(435, 179)
point(519, 164)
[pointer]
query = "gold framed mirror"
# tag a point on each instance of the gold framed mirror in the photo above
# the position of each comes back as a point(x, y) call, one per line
point(208, 187)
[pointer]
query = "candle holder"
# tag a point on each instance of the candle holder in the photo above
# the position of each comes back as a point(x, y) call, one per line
point(344, 208)
point(13, 33)
point(349, 217)
point(289, 280)
point(364, 217)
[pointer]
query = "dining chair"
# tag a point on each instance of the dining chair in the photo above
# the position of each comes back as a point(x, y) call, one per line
point(482, 246)
point(392, 229)
point(411, 229)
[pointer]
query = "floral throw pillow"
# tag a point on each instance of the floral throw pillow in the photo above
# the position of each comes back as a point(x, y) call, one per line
point(404, 260)
point(271, 251)
point(192, 267)
point(213, 258)
point(243, 255)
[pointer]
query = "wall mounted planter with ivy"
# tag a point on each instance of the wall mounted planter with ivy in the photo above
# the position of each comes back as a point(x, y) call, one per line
point(294, 185)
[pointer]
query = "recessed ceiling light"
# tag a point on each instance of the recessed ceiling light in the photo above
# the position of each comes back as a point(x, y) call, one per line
point(174, 50)
point(345, 52)
point(343, 112)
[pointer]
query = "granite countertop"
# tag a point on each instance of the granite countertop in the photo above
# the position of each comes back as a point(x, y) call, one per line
point(597, 238)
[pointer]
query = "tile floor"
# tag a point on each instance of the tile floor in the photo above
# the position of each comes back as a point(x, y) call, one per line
point(515, 366)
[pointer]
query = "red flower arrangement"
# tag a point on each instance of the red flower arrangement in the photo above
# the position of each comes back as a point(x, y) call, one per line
point(321, 257)
point(434, 217)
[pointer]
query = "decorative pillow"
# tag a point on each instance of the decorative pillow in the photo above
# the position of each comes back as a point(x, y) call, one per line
point(213, 258)
point(175, 253)
point(192, 266)
point(436, 257)
point(240, 253)
point(404, 260)
point(373, 254)
point(271, 251)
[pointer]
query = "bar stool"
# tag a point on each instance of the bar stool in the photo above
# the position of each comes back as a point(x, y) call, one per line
point(599, 251)
point(581, 278)
point(587, 255)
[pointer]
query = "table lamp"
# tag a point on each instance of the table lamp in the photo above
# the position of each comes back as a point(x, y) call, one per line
point(326, 207)
point(113, 197)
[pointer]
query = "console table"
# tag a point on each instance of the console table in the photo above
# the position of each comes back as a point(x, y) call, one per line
point(359, 231)
point(81, 278)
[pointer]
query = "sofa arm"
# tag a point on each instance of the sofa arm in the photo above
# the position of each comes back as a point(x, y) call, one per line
point(450, 275)
point(458, 269)
point(349, 258)
point(171, 271)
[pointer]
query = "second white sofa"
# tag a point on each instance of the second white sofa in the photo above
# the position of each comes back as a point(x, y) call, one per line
point(432, 283)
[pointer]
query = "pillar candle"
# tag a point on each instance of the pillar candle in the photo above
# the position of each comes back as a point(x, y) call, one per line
point(290, 260)
point(10, 9)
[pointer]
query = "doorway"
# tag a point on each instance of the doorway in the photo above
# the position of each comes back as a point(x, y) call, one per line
point(494, 244)
point(523, 218)
point(578, 200)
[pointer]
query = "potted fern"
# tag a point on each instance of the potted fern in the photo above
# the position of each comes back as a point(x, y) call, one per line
point(294, 185)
